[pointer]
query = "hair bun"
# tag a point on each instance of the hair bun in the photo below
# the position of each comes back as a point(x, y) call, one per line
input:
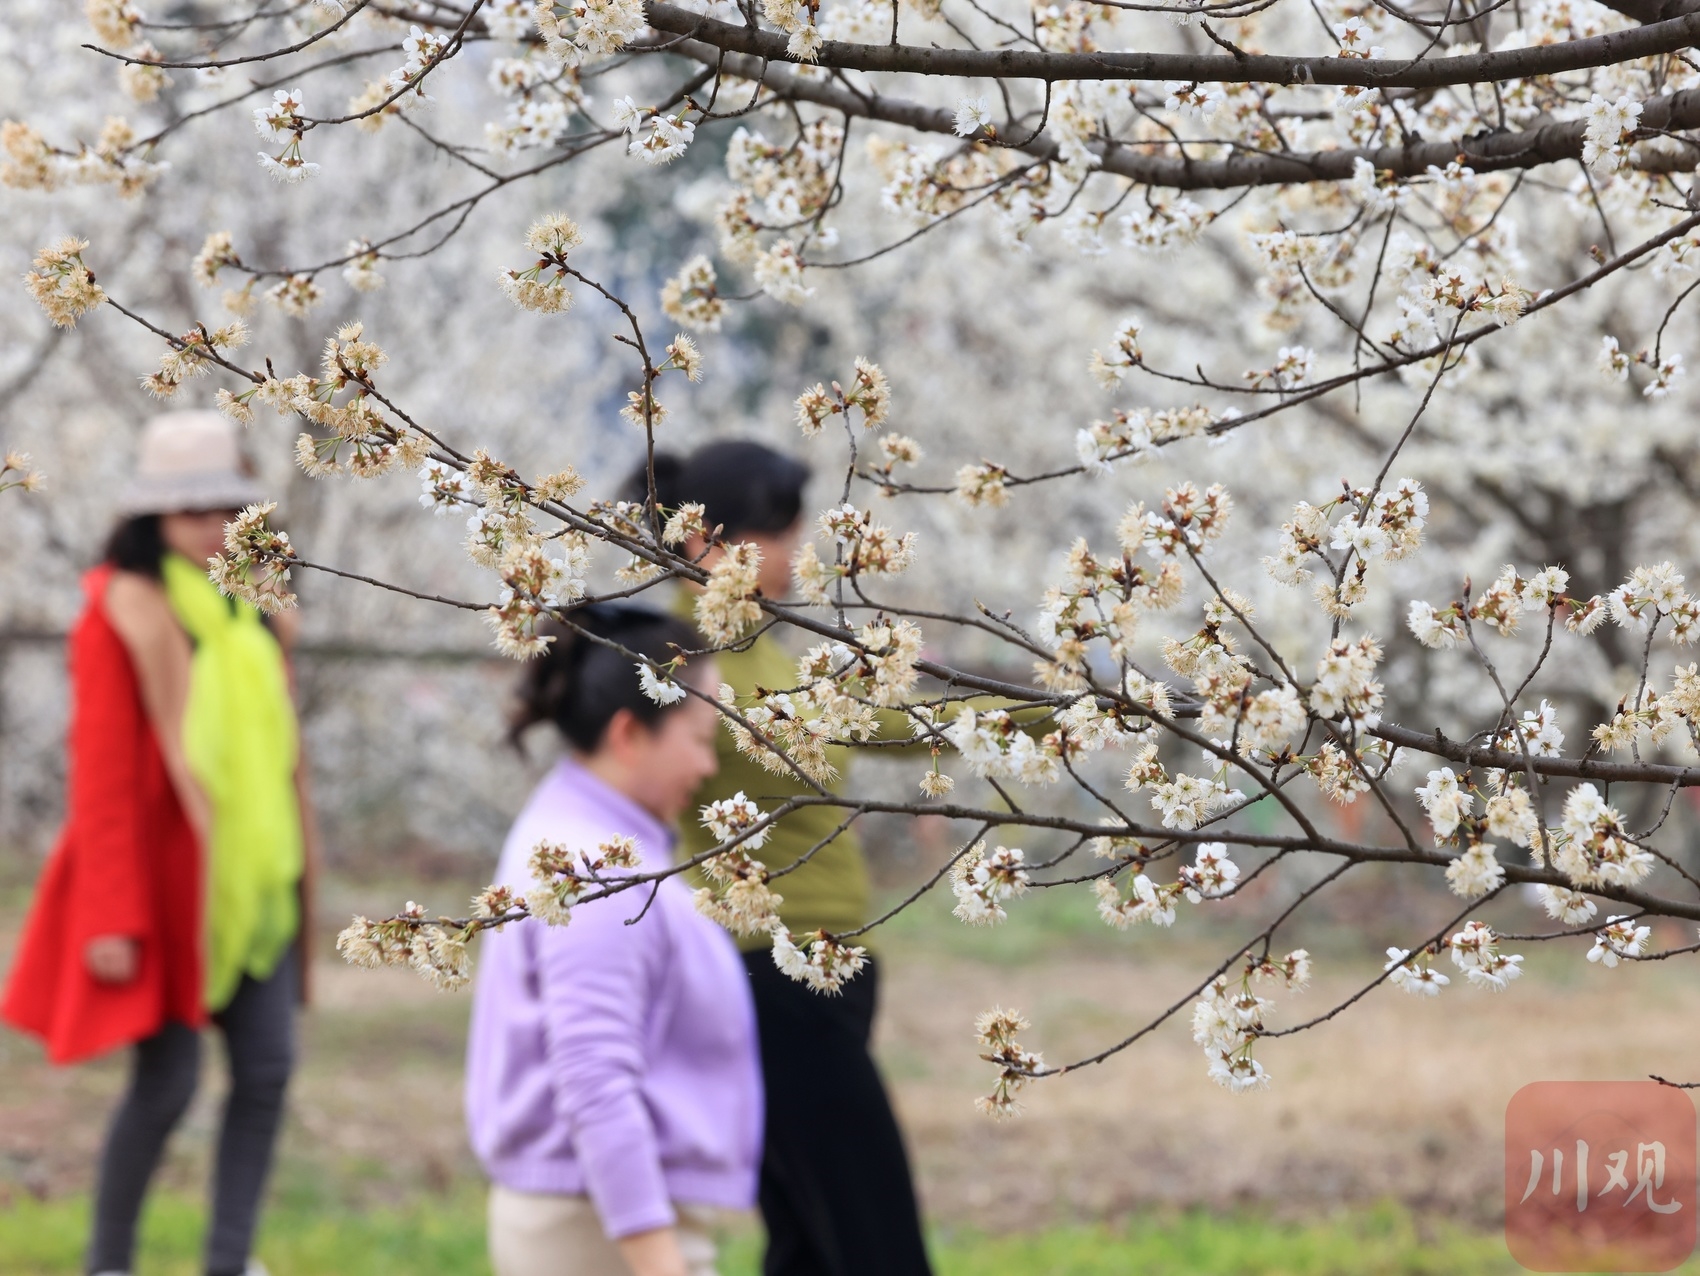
point(585, 678)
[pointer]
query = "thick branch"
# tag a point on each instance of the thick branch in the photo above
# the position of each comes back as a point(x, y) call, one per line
point(1571, 768)
point(1650, 11)
point(1485, 153)
point(1211, 68)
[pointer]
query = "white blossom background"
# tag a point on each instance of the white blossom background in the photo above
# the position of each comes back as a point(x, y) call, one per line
point(1532, 456)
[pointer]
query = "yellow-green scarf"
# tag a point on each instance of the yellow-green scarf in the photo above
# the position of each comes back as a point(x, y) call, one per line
point(239, 737)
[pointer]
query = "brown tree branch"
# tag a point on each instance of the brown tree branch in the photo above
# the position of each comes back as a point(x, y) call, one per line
point(1571, 768)
point(1211, 68)
point(1529, 148)
point(1650, 11)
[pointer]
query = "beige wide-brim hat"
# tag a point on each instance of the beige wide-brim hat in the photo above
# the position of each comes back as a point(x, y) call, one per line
point(187, 462)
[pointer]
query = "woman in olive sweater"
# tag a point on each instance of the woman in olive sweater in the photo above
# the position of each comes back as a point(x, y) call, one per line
point(836, 1191)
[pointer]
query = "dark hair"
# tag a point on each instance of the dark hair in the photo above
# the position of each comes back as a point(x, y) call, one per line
point(579, 684)
point(136, 545)
point(743, 486)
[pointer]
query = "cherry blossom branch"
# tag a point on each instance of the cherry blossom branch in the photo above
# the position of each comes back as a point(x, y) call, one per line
point(1613, 47)
point(1548, 144)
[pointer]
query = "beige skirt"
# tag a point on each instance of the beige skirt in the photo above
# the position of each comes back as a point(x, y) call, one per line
point(547, 1234)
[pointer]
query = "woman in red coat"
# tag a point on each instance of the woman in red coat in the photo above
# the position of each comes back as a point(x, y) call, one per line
point(112, 950)
point(120, 948)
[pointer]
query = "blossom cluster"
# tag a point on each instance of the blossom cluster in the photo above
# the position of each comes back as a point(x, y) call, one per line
point(62, 284)
point(255, 564)
point(16, 470)
point(996, 1030)
point(982, 881)
point(1228, 1019)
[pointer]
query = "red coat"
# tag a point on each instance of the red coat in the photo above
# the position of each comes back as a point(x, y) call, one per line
point(127, 863)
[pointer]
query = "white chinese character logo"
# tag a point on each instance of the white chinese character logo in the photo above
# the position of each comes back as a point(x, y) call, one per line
point(1649, 1175)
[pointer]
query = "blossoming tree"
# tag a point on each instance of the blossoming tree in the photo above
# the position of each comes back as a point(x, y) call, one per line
point(1400, 200)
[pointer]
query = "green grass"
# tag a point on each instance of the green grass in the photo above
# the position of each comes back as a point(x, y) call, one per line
point(446, 1235)
point(1384, 1241)
point(46, 1239)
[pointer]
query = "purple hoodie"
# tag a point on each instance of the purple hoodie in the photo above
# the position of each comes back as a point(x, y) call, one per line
point(618, 1061)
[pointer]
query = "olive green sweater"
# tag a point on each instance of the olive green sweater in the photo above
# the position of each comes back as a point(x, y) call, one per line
point(831, 891)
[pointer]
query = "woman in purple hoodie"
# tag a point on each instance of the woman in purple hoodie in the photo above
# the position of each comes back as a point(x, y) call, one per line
point(613, 1086)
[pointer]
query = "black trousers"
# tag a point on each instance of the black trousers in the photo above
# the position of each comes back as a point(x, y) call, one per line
point(836, 1192)
point(259, 1037)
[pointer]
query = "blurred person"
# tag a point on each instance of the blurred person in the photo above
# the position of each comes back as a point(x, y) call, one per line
point(173, 897)
point(613, 1087)
point(837, 1195)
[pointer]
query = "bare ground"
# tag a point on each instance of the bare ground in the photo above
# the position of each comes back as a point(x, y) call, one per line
point(1398, 1098)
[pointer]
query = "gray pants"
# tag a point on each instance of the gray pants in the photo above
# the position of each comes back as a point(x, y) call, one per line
point(259, 1038)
